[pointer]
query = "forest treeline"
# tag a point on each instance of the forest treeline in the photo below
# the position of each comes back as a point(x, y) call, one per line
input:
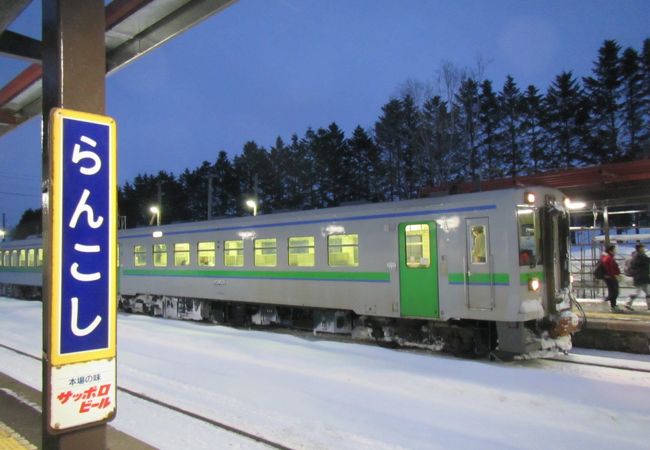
point(462, 129)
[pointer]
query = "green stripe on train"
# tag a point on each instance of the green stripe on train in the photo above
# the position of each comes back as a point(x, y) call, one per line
point(480, 278)
point(21, 269)
point(267, 274)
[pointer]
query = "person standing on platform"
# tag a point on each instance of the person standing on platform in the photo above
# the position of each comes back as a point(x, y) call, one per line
point(612, 272)
point(640, 267)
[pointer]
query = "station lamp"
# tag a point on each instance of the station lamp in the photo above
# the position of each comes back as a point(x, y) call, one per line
point(253, 205)
point(155, 210)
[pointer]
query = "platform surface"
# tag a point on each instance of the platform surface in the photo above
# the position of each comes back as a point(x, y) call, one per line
point(20, 420)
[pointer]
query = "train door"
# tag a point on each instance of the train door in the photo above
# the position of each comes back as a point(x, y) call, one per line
point(555, 253)
point(478, 268)
point(418, 270)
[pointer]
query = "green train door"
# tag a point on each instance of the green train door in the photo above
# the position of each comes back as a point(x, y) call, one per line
point(418, 270)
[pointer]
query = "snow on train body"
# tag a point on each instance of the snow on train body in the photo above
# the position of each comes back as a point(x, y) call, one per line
point(468, 271)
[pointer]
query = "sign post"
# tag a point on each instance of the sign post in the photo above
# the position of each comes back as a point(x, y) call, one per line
point(82, 365)
point(78, 332)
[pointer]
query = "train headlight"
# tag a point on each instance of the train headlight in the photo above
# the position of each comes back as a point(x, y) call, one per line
point(529, 198)
point(534, 284)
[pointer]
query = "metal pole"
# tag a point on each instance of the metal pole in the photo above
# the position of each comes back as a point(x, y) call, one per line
point(606, 226)
point(159, 203)
point(210, 177)
point(74, 64)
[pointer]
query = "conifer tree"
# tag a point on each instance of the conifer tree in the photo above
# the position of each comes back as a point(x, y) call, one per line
point(565, 107)
point(367, 176)
point(490, 123)
point(533, 136)
point(226, 186)
point(603, 91)
point(468, 105)
point(510, 104)
point(389, 136)
point(435, 130)
point(644, 135)
point(632, 110)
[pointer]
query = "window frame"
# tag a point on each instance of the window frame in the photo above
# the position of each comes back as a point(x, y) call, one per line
point(185, 253)
point(311, 251)
point(142, 253)
point(423, 245)
point(354, 246)
point(210, 253)
point(160, 257)
point(238, 252)
point(263, 252)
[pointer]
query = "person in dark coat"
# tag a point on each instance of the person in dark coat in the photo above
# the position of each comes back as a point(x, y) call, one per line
point(612, 272)
point(640, 267)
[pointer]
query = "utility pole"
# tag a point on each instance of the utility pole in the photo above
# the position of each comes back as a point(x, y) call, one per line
point(159, 197)
point(210, 178)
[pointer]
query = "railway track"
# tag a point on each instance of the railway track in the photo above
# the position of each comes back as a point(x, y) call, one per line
point(603, 361)
point(207, 420)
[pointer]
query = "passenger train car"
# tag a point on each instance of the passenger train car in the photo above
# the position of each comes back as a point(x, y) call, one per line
point(470, 272)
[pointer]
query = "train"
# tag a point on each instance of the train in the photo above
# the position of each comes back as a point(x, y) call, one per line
point(468, 273)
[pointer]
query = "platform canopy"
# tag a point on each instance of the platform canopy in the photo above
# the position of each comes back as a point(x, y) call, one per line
point(133, 28)
point(615, 184)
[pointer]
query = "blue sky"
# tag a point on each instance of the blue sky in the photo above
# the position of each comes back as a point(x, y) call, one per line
point(268, 68)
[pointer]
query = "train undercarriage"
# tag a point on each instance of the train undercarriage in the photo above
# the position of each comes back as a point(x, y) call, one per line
point(465, 338)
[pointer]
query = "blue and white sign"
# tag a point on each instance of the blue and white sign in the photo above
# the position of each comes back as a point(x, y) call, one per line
point(84, 243)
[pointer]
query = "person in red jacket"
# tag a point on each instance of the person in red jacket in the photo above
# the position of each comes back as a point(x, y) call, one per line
point(612, 273)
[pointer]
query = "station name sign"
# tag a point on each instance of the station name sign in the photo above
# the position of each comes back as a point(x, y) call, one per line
point(83, 267)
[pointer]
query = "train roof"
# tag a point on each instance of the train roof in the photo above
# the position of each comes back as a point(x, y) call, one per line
point(440, 204)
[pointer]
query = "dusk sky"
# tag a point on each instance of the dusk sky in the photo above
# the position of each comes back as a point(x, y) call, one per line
point(268, 68)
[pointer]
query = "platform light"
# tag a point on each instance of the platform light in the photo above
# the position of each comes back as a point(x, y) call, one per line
point(253, 205)
point(156, 211)
point(574, 205)
point(2, 235)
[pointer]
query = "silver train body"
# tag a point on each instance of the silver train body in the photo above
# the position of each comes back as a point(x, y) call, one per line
point(473, 272)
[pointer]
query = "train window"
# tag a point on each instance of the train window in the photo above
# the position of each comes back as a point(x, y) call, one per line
point(182, 254)
point(418, 252)
point(22, 261)
point(14, 258)
point(233, 253)
point(266, 252)
point(31, 257)
point(343, 250)
point(160, 255)
point(39, 257)
point(478, 244)
point(302, 251)
point(139, 256)
point(206, 254)
point(529, 237)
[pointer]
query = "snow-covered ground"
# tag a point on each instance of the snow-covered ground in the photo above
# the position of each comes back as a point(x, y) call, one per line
point(316, 394)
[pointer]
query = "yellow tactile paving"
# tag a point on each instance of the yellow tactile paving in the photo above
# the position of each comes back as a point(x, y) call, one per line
point(10, 440)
